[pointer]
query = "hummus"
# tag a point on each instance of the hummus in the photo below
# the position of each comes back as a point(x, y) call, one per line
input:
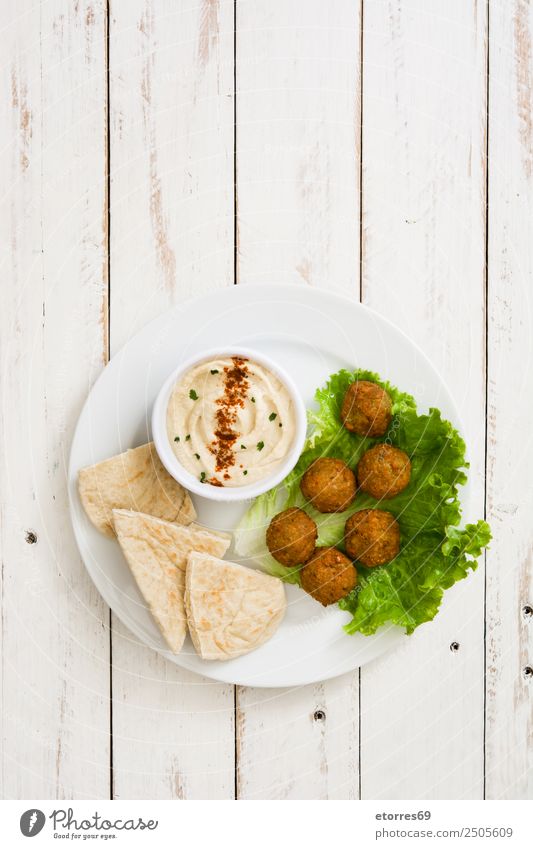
point(230, 421)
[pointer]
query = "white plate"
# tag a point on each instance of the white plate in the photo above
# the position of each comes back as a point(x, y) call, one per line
point(312, 333)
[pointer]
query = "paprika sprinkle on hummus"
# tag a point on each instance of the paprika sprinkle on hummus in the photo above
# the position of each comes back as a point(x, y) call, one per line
point(235, 390)
point(223, 421)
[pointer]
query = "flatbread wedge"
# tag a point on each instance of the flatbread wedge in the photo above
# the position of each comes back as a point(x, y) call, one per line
point(157, 553)
point(134, 480)
point(231, 610)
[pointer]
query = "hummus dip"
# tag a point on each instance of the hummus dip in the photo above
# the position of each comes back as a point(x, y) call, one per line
point(230, 421)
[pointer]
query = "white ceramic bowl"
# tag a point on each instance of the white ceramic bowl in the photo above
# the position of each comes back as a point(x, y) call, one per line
point(189, 481)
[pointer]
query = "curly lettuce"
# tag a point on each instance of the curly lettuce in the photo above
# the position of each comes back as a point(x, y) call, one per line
point(435, 552)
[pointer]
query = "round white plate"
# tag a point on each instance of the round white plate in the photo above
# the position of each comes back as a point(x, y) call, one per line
point(311, 333)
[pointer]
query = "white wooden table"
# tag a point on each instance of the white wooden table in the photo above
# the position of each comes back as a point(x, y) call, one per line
point(156, 149)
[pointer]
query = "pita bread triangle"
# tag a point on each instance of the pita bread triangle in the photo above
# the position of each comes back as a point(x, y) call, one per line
point(134, 480)
point(157, 552)
point(231, 609)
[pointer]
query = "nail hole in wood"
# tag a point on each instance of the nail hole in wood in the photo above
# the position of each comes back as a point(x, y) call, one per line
point(527, 611)
point(31, 537)
point(528, 672)
point(319, 716)
point(454, 646)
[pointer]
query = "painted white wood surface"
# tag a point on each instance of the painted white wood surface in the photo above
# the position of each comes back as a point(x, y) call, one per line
point(298, 221)
point(509, 740)
point(171, 134)
point(298, 128)
point(423, 259)
point(171, 90)
point(55, 642)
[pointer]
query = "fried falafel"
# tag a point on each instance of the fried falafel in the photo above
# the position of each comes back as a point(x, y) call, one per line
point(328, 575)
point(291, 537)
point(329, 485)
point(372, 537)
point(366, 409)
point(383, 471)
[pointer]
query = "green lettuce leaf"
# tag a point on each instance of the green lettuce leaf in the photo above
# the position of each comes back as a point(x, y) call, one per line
point(409, 590)
point(435, 552)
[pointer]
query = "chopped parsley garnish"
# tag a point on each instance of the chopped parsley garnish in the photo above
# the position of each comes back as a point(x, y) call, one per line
point(176, 439)
point(260, 445)
point(243, 446)
point(214, 371)
point(252, 399)
point(202, 477)
point(272, 416)
point(187, 437)
point(245, 472)
point(193, 395)
point(197, 456)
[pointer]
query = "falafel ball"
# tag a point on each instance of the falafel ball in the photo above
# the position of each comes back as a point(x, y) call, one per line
point(329, 485)
point(366, 409)
point(372, 537)
point(328, 575)
point(291, 537)
point(383, 471)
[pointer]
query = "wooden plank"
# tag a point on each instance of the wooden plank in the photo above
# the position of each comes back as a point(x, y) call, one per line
point(424, 108)
point(171, 155)
point(298, 131)
point(509, 732)
point(297, 68)
point(299, 743)
point(55, 664)
point(171, 86)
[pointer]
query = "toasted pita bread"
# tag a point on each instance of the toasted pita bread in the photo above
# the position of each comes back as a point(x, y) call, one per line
point(135, 480)
point(157, 553)
point(196, 526)
point(231, 610)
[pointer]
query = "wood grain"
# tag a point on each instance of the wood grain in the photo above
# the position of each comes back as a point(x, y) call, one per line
point(423, 256)
point(297, 135)
point(55, 672)
point(509, 732)
point(298, 128)
point(171, 90)
point(167, 215)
